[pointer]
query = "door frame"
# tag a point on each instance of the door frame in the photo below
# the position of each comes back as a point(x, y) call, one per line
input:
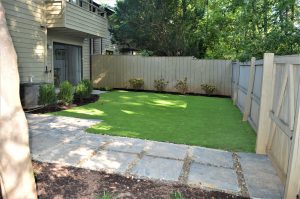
point(65, 44)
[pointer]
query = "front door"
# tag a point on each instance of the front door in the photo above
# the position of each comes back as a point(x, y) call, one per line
point(67, 63)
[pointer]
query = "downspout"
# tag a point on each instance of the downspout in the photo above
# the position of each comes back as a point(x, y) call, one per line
point(101, 46)
point(91, 53)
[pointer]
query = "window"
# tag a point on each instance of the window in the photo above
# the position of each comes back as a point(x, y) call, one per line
point(74, 1)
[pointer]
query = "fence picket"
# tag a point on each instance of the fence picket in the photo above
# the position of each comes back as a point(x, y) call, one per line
point(121, 68)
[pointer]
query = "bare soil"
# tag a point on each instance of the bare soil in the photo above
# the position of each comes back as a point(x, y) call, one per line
point(55, 181)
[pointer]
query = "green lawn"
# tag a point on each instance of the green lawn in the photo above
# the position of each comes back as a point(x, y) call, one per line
point(193, 120)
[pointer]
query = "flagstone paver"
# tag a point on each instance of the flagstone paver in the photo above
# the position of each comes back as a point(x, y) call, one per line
point(158, 168)
point(63, 140)
point(68, 154)
point(127, 145)
point(40, 143)
point(213, 177)
point(213, 157)
point(110, 161)
point(260, 176)
point(98, 92)
point(167, 150)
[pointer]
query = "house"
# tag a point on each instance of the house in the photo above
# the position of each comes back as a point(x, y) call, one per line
point(104, 45)
point(53, 38)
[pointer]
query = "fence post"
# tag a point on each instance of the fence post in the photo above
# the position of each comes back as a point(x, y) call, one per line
point(264, 122)
point(293, 173)
point(249, 90)
point(236, 84)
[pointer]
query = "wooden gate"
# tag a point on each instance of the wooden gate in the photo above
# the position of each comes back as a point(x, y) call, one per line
point(279, 125)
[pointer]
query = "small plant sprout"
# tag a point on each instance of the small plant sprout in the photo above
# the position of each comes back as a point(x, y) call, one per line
point(105, 195)
point(176, 195)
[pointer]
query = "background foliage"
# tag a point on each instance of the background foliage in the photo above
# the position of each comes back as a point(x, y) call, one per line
point(231, 29)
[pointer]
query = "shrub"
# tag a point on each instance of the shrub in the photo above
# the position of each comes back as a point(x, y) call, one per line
point(47, 94)
point(182, 86)
point(160, 84)
point(136, 83)
point(66, 93)
point(208, 89)
point(146, 53)
point(106, 88)
point(89, 85)
point(83, 89)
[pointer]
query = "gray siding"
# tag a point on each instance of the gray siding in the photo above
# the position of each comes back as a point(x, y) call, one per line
point(24, 19)
point(27, 25)
point(62, 14)
point(106, 45)
point(86, 59)
point(54, 14)
point(97, 46)
point(84, 21)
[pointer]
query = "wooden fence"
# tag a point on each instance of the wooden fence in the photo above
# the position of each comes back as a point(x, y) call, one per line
point(115, 71)
point(268, 93)
point(246, 92)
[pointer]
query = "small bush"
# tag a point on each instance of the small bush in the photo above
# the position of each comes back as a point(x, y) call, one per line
point(208, 89)
point(83, 89)
point(136, 83)
point(89, 85)
point(182, 86)
point(66, 93)
point(160, 84)
point(47, 95)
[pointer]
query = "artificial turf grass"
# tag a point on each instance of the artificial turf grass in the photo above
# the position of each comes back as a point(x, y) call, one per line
point(194, 120)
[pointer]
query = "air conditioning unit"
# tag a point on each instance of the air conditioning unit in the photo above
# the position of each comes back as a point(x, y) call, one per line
point(29, 94)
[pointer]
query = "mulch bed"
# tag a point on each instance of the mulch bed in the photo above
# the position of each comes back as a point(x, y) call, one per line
point(55, 181)
point(171, 93)
point(61, 107)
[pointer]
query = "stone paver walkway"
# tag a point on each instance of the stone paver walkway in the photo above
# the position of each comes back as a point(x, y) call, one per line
point(63, 140)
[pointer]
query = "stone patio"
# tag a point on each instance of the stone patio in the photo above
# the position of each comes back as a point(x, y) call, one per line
point(63, 140)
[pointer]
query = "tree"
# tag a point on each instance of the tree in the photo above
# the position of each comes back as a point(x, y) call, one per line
point(166, 27)
point(230, 29)
point(255, 27)
point(17, 180)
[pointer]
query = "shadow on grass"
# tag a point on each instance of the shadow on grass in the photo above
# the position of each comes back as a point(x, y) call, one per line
point(194, 120)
